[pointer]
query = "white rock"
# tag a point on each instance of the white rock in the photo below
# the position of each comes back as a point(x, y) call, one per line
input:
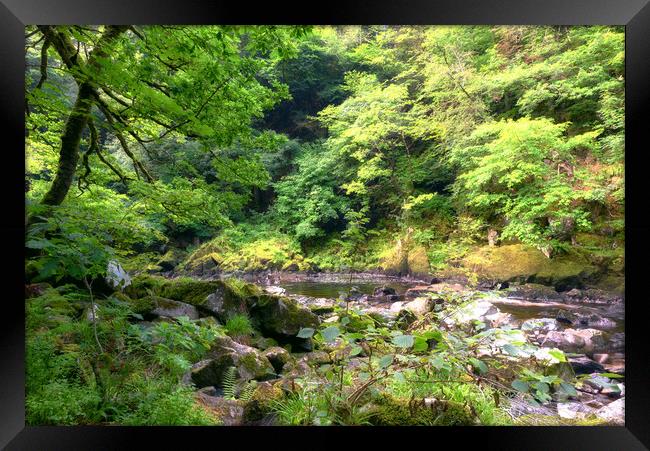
point(420, 306)
point(613, 412)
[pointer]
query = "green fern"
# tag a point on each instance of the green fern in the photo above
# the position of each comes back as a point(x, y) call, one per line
point(229, 383)
point(247, 392)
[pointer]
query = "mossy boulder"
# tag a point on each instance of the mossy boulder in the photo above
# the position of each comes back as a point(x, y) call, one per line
point(534, 291)
point(51, 309)
point(262, 400)
point(249, 362)
point(217, 297)
point(418, 261)
point(405, 257)
point(317, 358)
point(191, 291)
point(395, 260)
point(521, 263)
point(387, 410)
point(228, 412)
point(36, 289)
point(282, 318)
point(171, 259)
point(142, 306)
point(263, 343)
point(169, 308)
point(277, 356)
point(278, 317)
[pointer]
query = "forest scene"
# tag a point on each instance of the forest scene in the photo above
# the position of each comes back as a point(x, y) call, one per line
point(324, 225)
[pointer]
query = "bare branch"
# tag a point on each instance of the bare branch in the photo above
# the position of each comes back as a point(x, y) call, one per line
point(110, 118)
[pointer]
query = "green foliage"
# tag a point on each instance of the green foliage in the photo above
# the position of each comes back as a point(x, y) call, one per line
point(229, 382)
point(66, 249)
point(58, 403)
point(309, 202)
point(69, 382)
point(177, 408)
point(254, 148)
point(179, 343)
point(512, 169)
point(238, 325)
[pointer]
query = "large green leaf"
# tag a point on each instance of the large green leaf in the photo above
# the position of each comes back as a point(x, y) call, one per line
point(403, 341)
point(385, 361)
point(420, 344)
point(330, 333)
point(479, 365)
point(520, 385)
point(306, 332)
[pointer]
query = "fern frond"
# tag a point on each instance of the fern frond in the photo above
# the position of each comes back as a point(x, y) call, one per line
point(229, 383)
point(247, 391)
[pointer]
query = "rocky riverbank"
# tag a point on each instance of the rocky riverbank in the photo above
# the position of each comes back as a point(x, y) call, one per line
point(522, 322)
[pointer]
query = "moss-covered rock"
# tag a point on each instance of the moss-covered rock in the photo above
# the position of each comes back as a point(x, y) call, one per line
point(418, 261)
point(172, 258)
point(218, 297)
point(250, 362)
point(521, 263)
point(36, 289)
point(142, 306)
point(262, 400)
point(52, 309)
point(316, 358)
point(282, 318)
point(271, 252)
point(277, 356)
point(191, 291)
point(534, 291)
point(169, 308)
point(229, 412)
point(263, 343)
point(391, 411)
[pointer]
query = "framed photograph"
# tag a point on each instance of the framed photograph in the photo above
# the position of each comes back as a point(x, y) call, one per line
point(244, 218)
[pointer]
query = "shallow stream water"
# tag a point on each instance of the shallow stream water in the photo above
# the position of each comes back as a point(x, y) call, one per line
point(520, 310)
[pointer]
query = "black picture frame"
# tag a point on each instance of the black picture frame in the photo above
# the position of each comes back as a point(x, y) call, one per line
point(14, 14)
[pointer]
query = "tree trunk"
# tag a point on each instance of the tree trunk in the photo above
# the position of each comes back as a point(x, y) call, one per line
point(78, 119)
point(69, 153)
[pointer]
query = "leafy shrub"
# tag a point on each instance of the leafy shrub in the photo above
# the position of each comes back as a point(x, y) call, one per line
point(238, 325)
point(60, 403)
point(177, 408)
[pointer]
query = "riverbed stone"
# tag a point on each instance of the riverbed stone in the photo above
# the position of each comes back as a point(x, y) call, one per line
point(274, 289)
point(173, 309)
point(617, 342)
point(384, 291)
point(613, 413)
point(534, 291)
point(594, 321)
point(576, 340)
point(584, 365)
point(420, 306)
point(573, 410)
point(476, 310)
